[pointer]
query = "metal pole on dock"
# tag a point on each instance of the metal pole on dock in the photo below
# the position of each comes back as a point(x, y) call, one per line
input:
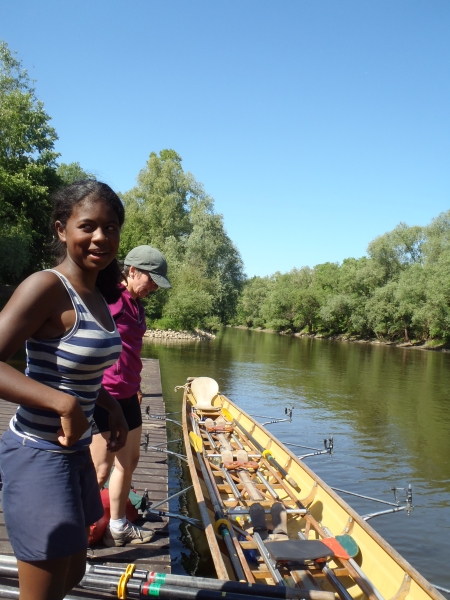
point(180, 586)
point(7, 591)
point(107, 578)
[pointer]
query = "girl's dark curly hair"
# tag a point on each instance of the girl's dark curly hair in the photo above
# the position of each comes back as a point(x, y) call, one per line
point(64, 201)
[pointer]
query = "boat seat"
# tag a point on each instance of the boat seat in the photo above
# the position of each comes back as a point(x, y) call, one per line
point(205, 390)
point(298, 550)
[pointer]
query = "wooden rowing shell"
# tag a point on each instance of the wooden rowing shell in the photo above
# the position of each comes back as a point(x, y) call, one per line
point(287, 506)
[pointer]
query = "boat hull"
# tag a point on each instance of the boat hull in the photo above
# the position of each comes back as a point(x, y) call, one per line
point(389, 575)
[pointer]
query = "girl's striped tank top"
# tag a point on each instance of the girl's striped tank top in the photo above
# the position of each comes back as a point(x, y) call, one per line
point(74, 364)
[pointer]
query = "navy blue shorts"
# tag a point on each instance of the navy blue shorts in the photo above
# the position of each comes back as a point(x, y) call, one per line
point(49, 498)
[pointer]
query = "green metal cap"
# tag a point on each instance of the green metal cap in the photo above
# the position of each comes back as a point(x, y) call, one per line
point(146, 258)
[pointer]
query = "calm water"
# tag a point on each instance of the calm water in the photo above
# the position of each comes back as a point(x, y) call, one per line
point(387, 408)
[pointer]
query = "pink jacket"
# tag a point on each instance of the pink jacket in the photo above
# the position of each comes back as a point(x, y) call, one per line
point(123, 379)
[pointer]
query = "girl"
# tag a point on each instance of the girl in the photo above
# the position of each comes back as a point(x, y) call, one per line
point(50, 491)
point(145, 270)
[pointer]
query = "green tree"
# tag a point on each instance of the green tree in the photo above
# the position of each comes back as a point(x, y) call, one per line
point(209, 247)
point(279, 307)
point(157, 208)
point(292, 302)
point(27, 169)
point(251, 300)
point(381, 311)
point(434, 312)
point(190, 303)
point(411, 298)
point(324, 285)
point(336, 313)
point(170, 210)
point(396, 250)
point(69, 173)
point(400, 291)
point(308, 300)
point(358, 279)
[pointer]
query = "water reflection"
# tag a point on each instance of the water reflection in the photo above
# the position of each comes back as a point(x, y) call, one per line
point(386, 407)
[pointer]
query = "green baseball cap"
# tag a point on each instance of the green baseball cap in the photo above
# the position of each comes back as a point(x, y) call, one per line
point(149, 259)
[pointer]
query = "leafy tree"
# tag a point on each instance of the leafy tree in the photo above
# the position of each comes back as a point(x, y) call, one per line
point(15, 242)
point(336, 313)
point(399, 291)
point(326, 278)
point(279, 307)
point(292, 302)
point(437, 238)
point(381, 311)
point(27, 170)
point(324, 285)
point(170, 210)
point(308, 300)
point(190, 303)
point(431, 315)
point(253, 296)
point(434, 312)
point(69, 173)
point(398, 249)
point(157, 208)
point(359, 277)
point(411, 297)
point(209, 246)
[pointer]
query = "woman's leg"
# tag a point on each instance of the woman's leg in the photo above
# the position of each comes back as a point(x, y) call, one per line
point(50, 579)
point(125, 463)
point(120, 532)
point(101, 457)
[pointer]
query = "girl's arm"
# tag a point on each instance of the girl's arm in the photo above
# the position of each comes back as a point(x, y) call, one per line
point(36, 302)
point(117, 423)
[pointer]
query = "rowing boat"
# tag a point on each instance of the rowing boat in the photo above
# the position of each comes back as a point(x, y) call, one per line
point(269, 519)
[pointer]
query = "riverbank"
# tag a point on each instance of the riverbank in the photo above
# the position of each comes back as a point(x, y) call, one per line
point(435, 345)
point(198, 335)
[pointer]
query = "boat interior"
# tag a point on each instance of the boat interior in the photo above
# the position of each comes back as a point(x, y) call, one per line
point(269, 519)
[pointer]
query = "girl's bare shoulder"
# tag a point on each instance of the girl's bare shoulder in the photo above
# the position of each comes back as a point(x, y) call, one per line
point(37, 299)
point(38, 284)
point(38, 294)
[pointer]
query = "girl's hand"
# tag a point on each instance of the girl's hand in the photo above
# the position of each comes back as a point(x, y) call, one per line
point(118, 428)
point(73, 423)
point(139, 396)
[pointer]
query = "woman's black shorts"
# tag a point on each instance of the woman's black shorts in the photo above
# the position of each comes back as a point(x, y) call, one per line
point(131, 410)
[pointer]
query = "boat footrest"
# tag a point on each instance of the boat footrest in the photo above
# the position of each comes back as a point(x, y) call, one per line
point(298, 550)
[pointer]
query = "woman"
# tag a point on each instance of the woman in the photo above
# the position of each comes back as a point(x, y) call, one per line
point(145, 270)
point(50, 495)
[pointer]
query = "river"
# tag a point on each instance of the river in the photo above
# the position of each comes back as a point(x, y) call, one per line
point(386, 408)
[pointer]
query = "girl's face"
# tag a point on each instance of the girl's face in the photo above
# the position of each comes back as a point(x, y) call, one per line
point(91, 234)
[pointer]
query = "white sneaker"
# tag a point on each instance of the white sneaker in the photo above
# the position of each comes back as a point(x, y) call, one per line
point(132, 534)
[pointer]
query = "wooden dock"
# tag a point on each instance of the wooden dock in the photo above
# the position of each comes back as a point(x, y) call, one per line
point(151, 474)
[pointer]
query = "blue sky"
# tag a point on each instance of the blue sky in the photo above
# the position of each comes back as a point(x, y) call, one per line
point(315, 125)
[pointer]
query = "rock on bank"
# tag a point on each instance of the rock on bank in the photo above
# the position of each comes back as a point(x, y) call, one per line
point(169, 334)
